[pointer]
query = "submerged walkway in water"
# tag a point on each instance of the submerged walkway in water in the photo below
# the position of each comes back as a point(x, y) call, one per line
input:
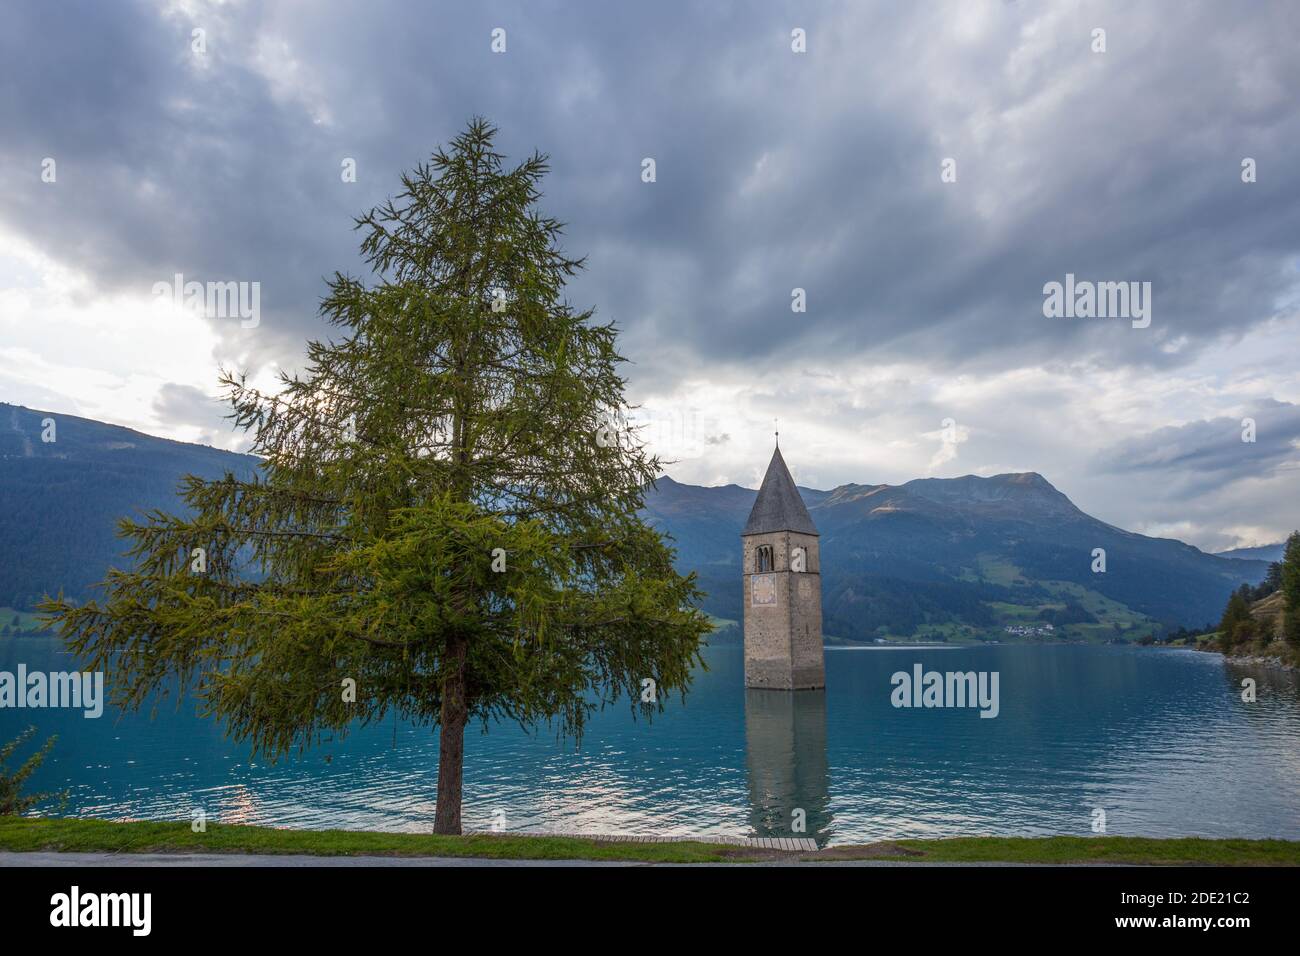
point(788, 844)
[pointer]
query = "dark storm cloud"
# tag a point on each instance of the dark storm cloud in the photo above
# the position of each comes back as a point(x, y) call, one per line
point(1211, 453)
point(187, 405)
point(775, 170)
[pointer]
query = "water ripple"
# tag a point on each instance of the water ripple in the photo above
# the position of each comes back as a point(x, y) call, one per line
point(1158, 740)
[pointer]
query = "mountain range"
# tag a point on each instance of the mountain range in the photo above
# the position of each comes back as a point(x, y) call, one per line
point(970, 558)
point(962, 558)
point(60, 500)
point(1264, 552)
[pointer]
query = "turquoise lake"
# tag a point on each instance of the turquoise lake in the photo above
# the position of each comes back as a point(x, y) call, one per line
point(1160, 740)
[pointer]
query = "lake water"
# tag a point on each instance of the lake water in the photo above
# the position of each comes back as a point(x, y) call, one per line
point(1158, 739)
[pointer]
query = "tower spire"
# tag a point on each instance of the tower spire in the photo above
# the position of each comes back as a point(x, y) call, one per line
point(778, 505)
point(781, 570)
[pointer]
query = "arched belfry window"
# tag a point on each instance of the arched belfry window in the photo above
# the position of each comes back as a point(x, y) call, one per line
point(763, 558)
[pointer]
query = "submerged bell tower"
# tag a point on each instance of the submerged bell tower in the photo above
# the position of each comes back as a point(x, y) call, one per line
point(781, 568)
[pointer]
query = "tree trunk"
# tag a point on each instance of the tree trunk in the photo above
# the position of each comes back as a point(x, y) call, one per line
point(451, 742)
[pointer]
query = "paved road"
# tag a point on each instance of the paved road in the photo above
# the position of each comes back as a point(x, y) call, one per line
point(245, 859)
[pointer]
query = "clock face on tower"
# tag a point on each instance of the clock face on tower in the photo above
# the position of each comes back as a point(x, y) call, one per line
point(780, 584)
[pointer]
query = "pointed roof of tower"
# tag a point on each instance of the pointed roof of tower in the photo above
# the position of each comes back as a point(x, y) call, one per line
point(778, 507)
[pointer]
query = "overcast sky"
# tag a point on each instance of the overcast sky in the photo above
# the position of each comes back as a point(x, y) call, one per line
point(924, 348)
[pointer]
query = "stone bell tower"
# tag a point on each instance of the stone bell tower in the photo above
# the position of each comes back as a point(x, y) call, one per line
point(783, 588)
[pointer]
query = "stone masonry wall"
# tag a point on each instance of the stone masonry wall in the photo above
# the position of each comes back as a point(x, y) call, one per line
point(783, 641)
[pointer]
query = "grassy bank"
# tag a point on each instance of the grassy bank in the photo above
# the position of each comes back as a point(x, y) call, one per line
point(1100, 849)
point(26, 834)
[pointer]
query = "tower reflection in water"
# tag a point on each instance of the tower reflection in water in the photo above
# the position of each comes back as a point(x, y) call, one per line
point(785, 748)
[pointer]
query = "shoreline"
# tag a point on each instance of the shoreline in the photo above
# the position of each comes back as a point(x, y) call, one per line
point(1274, 662)
point(53, 835)
point(1253, 660)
